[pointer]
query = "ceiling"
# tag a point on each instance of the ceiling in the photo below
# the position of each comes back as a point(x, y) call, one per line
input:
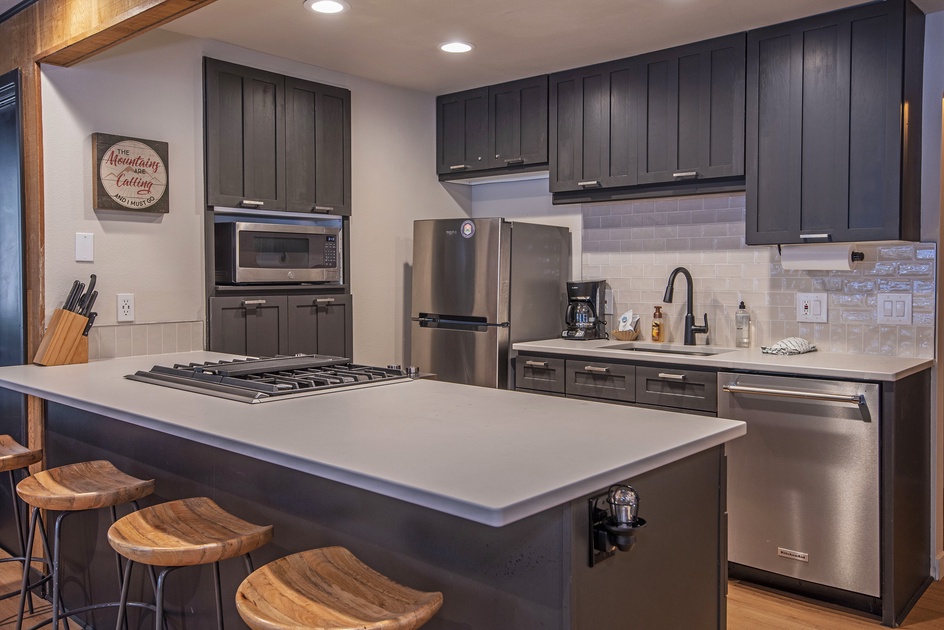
point(396, 41)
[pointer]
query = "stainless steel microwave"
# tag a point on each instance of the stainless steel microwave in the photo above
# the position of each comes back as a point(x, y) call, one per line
point(254, 253)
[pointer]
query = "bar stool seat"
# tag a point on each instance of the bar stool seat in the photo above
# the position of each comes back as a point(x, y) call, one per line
point(82, 486)
point(183, 533)
point(330, 589)
point(15, 456)
point(68, 490)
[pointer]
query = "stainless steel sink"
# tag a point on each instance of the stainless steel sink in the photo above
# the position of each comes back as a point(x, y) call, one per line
point(679, 351)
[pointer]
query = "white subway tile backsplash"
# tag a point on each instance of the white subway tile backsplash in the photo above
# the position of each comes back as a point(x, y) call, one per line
point(705, 234)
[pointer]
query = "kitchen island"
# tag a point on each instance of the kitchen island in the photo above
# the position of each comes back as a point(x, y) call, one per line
point(482, 494)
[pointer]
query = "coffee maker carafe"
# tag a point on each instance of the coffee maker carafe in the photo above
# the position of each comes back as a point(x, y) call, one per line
point(585, 309)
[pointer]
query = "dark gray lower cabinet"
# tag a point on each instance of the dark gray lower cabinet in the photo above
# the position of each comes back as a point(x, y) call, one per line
point(320, 325)
point(267, 325)
point(253, 325)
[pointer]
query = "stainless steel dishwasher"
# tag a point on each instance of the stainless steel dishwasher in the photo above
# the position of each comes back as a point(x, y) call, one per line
point(803, 484)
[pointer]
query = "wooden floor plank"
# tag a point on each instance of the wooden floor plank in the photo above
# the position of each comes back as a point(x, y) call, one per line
point(749, 608)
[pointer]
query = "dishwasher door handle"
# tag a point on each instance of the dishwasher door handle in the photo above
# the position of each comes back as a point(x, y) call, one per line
point(853, 399)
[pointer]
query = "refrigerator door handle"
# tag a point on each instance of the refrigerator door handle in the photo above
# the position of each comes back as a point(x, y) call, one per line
point(447, 322)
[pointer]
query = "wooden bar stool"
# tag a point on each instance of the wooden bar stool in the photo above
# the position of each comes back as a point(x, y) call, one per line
point(67, 490)
point(183, 533)
point(330, 589)
point(13, 457)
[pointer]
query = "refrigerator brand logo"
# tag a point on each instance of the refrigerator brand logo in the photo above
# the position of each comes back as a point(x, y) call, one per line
point(467, 229)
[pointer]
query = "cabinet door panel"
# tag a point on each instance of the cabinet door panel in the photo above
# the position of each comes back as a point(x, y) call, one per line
point(825, 137)
point(320, 325)
point(658, 121)
point(245, 131)
point(334, 152)
point(624, 93)
point(317, 119)
point(773, 158)
point(579, 115)
point(874, 145)
point(691, 104)
point(462, 134)
point(518, 122)
point(254, 326)
point(726, 119)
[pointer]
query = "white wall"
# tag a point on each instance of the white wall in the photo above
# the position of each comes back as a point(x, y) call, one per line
point(151, 87)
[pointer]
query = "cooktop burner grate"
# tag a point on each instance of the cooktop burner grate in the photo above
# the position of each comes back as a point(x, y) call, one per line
point(269, 378)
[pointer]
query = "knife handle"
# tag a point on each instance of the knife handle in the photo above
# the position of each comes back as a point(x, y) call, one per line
point(88, 326)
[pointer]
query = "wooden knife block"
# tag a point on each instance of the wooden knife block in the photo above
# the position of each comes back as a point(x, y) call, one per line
point(63, 343)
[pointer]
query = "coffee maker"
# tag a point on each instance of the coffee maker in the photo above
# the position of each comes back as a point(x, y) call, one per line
point(585, 310)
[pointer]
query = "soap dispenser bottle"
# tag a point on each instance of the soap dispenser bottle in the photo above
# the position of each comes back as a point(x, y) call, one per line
point(742, 327)
point(658, 333)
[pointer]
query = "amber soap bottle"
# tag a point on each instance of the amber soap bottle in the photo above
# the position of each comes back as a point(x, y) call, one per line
point(658, 333)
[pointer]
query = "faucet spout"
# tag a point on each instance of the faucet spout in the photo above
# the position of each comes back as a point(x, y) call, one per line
point(690, 327)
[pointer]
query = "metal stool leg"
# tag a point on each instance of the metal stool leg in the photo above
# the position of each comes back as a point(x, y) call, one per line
point(123, 598)
point(219, 595)
point(159, 600)
point(28, 552)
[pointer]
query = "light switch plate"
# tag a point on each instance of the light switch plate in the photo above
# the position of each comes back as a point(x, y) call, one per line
point(894, 308)
point(812, 307)
point(84, 247)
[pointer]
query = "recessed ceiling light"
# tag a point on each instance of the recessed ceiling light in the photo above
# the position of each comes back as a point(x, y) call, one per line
point(456, 47)
point(327, 6)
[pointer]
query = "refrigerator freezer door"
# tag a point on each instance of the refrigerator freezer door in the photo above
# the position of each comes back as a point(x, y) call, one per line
point(461, 268)
point(474, 355)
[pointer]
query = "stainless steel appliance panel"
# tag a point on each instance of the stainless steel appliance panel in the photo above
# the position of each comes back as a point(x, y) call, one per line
point(459, 274)
point(473, 355)
point(803, 484)
point(253, 253)
point(540, 265)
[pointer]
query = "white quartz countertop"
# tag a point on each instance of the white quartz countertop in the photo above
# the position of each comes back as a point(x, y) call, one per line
point(827, 364)
point(490, 456)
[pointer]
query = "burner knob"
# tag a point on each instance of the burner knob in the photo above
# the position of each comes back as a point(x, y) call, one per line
point(413, 371)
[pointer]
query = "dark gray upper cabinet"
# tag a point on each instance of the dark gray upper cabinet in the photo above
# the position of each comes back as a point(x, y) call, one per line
point(462, 132)
point(495, 129)
point(517, 122)
point(275, 142)
point(245, 134)
point(318, 146)
point(834, 126)
point(691, 116)
point(592, 119)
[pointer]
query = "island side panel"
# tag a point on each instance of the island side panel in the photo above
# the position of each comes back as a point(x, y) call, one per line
point(508, 578)
point(675, 576)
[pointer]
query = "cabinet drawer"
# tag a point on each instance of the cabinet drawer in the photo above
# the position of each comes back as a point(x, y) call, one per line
point(539, 374)
point(595, 379)
point(681, 389)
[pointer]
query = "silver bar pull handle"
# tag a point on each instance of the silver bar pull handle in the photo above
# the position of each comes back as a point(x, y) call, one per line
point(681, 174)
point(514, 160)
point(253, 302)
point(323, 208)
point(672, 377)
point(589, 183)
point(853, 399)
point(596, 370)
point(458, 167)
point(540, 364)
point(324, 300)
point(808, 236)
point(251, 203)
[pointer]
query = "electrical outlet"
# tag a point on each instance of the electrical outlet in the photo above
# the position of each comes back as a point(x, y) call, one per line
point(811, 307)
point(126, 307)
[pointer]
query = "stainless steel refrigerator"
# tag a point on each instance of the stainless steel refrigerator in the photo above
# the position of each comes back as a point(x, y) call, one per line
point(480, 285)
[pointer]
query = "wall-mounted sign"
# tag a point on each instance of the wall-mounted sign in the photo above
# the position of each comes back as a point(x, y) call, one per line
point(129, 174)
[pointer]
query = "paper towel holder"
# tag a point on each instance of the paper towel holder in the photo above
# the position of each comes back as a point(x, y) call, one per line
point(856, 256)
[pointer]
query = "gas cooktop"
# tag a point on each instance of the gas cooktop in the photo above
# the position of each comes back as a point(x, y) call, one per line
point(264, 379)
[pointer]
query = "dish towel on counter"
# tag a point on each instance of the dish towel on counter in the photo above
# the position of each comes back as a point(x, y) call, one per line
point(790, 345)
